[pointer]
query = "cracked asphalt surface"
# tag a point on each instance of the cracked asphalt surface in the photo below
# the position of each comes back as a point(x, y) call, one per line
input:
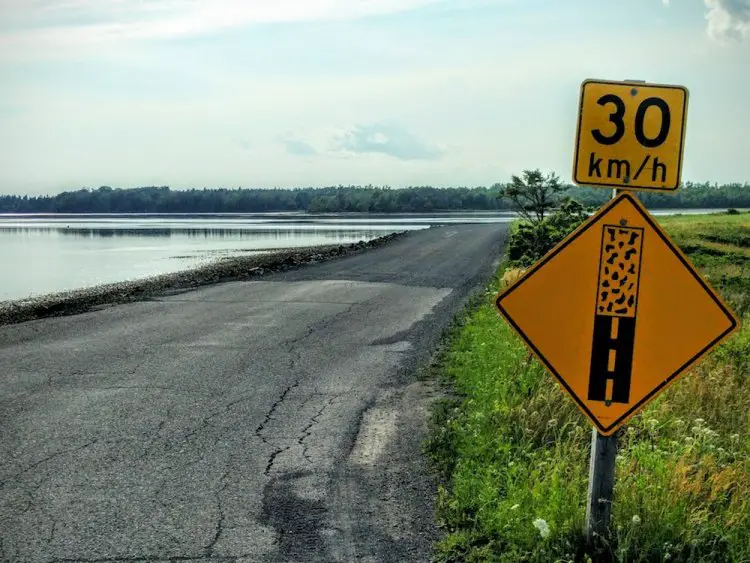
point(270, 420)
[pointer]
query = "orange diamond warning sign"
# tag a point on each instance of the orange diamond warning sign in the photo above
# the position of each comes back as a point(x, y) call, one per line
point(616, 312)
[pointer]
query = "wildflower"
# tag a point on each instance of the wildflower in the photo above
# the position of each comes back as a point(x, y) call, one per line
point(542, 526)
point(515, 507)
point(734, 437)
point(636, 519)
point(699, 421)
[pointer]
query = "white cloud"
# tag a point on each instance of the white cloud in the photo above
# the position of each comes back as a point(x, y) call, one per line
point(389, 139)
point(728, 19)
point(47, 26)
point(297, 147)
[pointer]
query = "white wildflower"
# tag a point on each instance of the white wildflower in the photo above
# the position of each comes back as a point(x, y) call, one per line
point(699, 421)
point(734, 437)
point(636, 519)
point(542, 526)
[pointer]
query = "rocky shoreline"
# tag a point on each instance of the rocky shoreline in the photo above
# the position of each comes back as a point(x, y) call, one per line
point(236, 268)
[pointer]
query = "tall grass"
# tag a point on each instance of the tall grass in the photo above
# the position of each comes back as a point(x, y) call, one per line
point(512, 450)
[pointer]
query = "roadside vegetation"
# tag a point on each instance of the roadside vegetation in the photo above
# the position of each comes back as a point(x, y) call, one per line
point(512, 450)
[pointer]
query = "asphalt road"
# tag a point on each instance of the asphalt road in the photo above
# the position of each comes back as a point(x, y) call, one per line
point(273, 420)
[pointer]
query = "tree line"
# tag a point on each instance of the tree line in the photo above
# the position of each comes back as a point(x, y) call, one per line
point(418, 199)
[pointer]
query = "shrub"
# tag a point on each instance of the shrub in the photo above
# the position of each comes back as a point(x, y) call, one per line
point(532, 240)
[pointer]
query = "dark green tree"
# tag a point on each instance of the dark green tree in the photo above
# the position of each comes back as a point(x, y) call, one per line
point(534, 195)
point(532, 240)
point(417, 199)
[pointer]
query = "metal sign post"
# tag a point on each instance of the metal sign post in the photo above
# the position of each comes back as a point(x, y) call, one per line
point(601, 471)
point(601, 480)
point(601, 485)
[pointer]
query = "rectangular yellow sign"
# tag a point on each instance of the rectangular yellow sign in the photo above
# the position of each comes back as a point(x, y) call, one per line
point(630, 135)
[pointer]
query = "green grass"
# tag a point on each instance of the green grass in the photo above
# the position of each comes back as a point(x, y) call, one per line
point(511, 448)
point(720, 246)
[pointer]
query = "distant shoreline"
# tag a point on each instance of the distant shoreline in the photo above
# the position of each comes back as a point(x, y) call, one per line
point(234, 268)
point(509, 212)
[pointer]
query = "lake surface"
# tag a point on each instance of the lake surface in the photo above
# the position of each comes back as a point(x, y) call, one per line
point(41, 254)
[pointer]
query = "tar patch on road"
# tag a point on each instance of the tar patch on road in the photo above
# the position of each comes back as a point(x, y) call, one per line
point(297, 521)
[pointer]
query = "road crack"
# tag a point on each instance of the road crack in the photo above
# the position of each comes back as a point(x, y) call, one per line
point(208, 550)
point(137, 558)
point(46, 459)
point(272, 459)
point(307, 430)
point(206, 421)
point(272, 410)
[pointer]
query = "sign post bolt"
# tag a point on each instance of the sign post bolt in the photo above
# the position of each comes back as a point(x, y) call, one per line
point(601, 485)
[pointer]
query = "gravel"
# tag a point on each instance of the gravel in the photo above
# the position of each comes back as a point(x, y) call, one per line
point(235, 268)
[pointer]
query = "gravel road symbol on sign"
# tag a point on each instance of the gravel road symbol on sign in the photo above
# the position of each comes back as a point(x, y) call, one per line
point(616, 312)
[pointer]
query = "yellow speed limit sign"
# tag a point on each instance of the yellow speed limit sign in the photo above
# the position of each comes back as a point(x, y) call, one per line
point(630, 135)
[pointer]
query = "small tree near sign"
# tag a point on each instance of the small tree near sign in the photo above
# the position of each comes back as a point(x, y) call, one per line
point(535, 195)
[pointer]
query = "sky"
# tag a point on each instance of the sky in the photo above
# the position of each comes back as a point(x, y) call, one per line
point(294, 93)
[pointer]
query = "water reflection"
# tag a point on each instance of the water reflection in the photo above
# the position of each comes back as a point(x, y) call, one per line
point(48, 253)
point(203, 232)
point(51, 256)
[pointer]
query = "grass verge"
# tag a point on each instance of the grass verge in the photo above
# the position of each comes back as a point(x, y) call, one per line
point(511, 450)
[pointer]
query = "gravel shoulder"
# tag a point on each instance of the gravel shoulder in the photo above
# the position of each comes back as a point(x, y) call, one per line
point(235, 268)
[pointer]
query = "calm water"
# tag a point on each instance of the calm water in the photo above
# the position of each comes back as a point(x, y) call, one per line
point(48, 253)
point(42, 254)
